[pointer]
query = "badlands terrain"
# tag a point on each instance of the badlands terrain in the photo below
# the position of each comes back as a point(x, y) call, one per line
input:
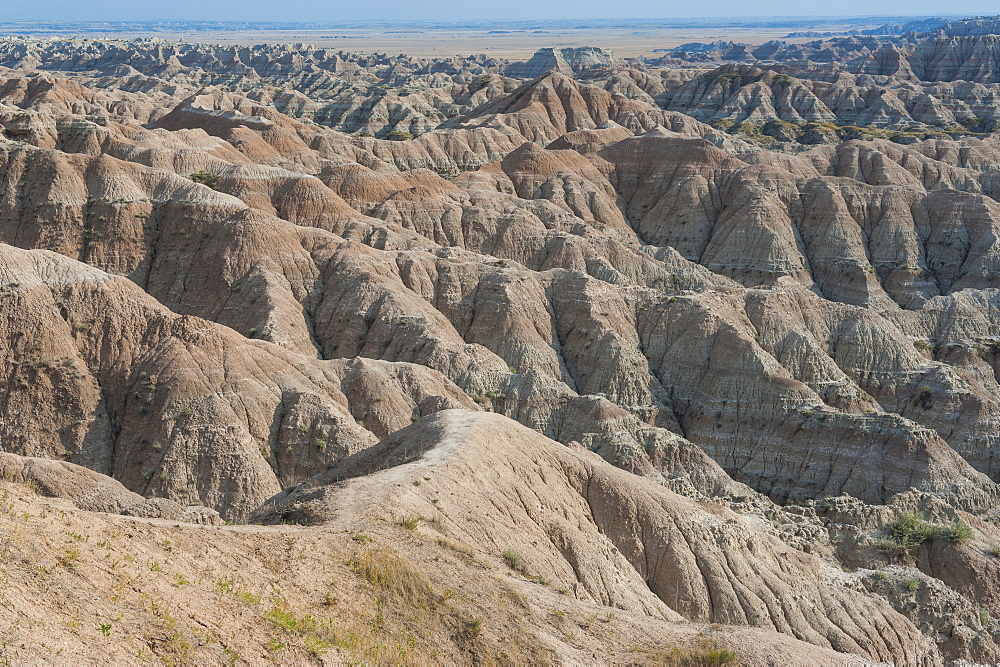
point(309, 355)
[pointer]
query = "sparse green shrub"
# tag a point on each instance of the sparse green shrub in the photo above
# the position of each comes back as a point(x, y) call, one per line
point(409, 522)
point(911, 585)
point(704, 656)
point(70, 556)
point(249, 598)
point(720, 656)
point(907, 533)
point(286, 619)
point(206, 178)
point(958, 532)
point(514, 561)
point(912, 528)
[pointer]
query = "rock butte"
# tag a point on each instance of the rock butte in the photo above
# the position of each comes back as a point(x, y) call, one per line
point(310, 355)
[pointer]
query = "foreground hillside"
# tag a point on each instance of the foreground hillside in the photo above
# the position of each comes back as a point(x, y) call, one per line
point(549, 370)
point(380, 586)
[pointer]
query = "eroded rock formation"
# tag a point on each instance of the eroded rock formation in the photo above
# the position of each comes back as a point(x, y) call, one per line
point(685, 343)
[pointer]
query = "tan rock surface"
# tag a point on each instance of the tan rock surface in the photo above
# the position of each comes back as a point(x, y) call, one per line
point(151, 590)
point(603, 534)
point(779, 329)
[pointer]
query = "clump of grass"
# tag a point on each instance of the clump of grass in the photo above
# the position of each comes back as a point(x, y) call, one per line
point(457, 547)
point(719, 656)
point(912, 585)
point(514, 561)
point(994, 550)
point(912, 528)
point(409, 522)
point(249, 598)
point(285, 619)
point(70, 556)
point(396, 579)
point(206, 178)
point(703, 656)
point(909, 531)
point(317, 636)
point(958, 532)
point(896, 549)
point(474, 628)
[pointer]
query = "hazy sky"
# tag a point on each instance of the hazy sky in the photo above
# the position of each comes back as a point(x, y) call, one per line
point(364, 10)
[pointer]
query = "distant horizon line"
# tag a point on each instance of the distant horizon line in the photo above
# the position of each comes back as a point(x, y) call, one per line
point(492, 20)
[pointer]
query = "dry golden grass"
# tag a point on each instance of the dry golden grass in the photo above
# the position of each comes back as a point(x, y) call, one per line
point(704, 654)
point(136, 590)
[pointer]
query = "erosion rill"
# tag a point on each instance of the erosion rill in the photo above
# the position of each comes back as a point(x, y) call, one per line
point(309, 355)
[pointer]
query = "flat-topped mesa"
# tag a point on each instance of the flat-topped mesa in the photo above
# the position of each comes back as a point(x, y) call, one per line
point(567, 61)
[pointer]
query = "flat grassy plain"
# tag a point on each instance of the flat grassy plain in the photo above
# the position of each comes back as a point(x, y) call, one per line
point(628, 38)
